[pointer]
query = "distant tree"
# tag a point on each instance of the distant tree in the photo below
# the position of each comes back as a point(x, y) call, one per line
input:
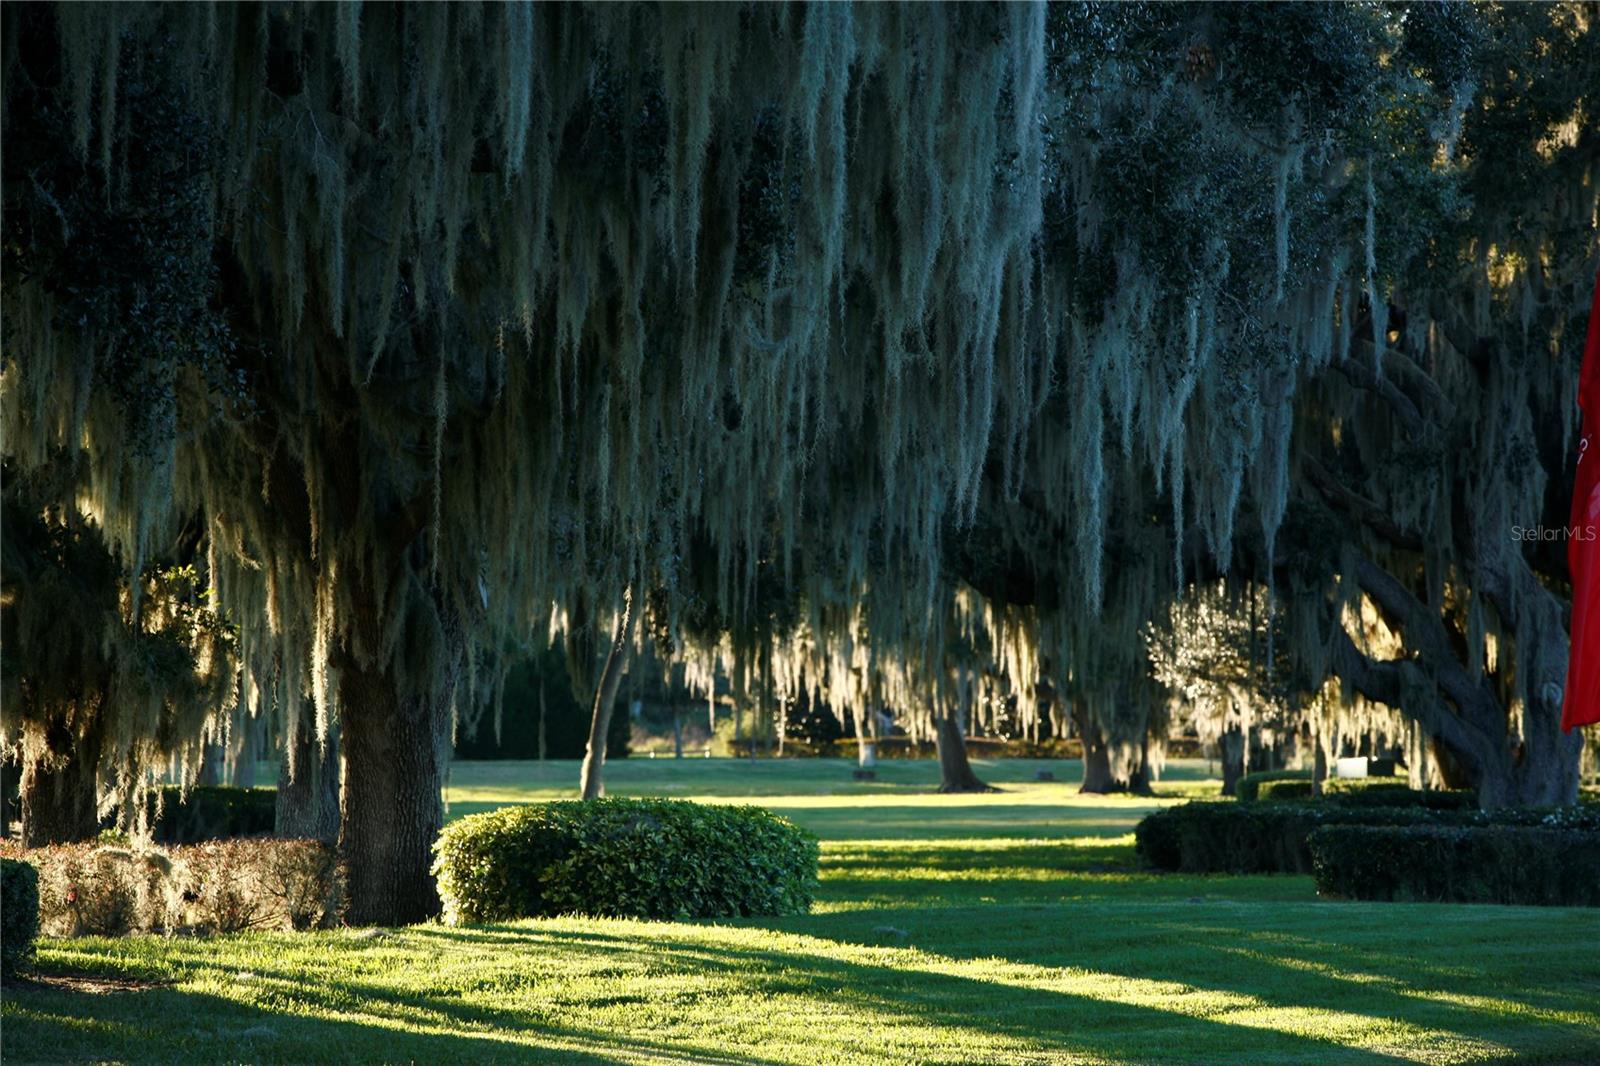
point(99, 682)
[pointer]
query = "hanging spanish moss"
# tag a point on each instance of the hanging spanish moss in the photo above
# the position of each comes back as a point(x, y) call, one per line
point(905, 357)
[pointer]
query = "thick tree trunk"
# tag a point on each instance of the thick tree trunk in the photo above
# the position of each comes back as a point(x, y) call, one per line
point(394, 743)
point(1539, 766)
point(58, 794)
point(308, 803)
point(58, 803)
point(605, 697)
point(243, 753)
point(955, 771)
point(1101, 773)
point(213, 761)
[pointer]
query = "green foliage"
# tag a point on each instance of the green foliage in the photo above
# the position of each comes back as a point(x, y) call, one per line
point(1537, 866)
point(19, 916)
point(1367, 792)
point(218, 887)
point(211, 812)
point(1250, 784)
point(616, 857)
point(1283, 790)
point(1271, 837)
point(1370, 792)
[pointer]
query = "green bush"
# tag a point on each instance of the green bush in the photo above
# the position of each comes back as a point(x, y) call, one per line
point(19, 916)
point(211, 812)
point(1249, 785)
point(1377, 792)
point(1459, 864)
point(1366, 792)
point(1271, 837)
point(624, 858)
point(1284, 790)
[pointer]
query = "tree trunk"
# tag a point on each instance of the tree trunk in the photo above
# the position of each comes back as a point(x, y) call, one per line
point(605, 697)
point(10, 793)
point(213, 763)
point(541, 716)
point(1100, 776)
point(58, 803)
point(866, 749)
point(1470, 724)
point(395, 745)
point(58, 793)
point(1231, 749)
point(308, 803)
point(677, 732)
point(243, 752)
point(955, 771)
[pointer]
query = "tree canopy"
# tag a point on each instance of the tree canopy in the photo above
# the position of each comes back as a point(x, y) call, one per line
point(881, 348)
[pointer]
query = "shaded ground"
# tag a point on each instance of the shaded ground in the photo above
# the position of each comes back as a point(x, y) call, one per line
point(1011, 928)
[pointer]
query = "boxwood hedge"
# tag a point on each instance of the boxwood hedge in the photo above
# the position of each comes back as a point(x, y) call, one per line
point(1369, 792)
point(1249, 786)
point(211, 812)
point(1271, 837)
point(641, 858)
point(1538, 865)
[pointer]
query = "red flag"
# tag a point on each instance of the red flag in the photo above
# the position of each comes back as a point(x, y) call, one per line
point(1582, 704)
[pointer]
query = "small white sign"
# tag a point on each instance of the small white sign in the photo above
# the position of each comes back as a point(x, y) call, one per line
point(1356, 767)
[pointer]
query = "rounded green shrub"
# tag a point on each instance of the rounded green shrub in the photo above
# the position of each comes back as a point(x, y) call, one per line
point(624, 858)
point(19, 915)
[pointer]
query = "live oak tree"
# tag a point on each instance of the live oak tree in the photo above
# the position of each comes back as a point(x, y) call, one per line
point(530, 304)
point(524, 298)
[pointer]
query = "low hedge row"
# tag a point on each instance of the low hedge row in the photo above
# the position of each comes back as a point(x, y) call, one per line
point(1271, 837)
point(19, 916)
point(624, 858)
point(1346, 793)
point(211, 812)
point(1540, 866)
point(219, 887)
point(1248, 788)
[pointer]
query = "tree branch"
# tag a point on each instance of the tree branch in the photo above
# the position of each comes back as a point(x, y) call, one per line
point(1359, 507)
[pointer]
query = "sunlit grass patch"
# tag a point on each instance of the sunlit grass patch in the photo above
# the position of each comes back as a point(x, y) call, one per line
point(1014, 929)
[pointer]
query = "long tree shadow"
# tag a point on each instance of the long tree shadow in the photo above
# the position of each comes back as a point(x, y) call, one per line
point(1054, 1022)
point(1382, 970)
point(51, 1026)
point(285, 1015)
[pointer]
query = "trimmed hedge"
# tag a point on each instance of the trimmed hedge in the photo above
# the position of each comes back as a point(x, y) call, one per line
point(1346, 793)
point(211, 812)
point(624, 858)
point(1286, 790)
point(1479, 864)
point(1248, 787)
point(1271, 837)
point(19, 916)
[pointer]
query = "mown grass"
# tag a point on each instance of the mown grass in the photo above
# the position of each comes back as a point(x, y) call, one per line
point(1006, 928)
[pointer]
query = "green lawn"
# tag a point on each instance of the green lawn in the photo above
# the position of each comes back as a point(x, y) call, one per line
point(1006, 928)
